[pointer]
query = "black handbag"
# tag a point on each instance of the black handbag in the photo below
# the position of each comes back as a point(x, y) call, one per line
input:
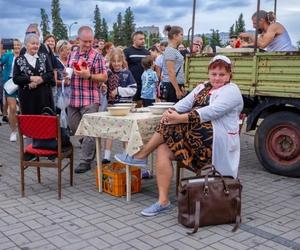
point(51, 144)
point(167, 91)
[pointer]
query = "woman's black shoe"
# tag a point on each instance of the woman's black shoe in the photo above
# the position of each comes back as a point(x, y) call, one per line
point(105, 161)
point(82, 168)
point(28, 157)
point(4, 118)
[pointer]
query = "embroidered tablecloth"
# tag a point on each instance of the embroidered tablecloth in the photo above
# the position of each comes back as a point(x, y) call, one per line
point(133, 128)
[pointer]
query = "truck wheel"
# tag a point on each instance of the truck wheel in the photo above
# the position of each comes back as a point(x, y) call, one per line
point(277, 143)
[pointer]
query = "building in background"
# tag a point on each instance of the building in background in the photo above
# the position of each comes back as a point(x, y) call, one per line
point(148, 30)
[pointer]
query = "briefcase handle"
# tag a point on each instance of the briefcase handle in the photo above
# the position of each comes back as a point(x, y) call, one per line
point(215, 173)
point(206, 167)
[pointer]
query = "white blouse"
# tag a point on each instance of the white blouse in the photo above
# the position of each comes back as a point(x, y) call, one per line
point(225, 106)
point(31, 59)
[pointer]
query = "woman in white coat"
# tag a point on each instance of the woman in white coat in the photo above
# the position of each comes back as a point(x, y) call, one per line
point(200, 129)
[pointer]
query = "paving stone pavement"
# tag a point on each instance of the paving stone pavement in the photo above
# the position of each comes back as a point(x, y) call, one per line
point(85, 219)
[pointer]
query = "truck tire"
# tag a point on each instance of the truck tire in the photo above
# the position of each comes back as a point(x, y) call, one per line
point(277, 143)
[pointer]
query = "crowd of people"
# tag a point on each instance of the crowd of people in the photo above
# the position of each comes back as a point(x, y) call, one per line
point(201, 128)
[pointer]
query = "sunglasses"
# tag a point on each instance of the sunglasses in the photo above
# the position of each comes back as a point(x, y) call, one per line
point(63, 44)
point(30, 32)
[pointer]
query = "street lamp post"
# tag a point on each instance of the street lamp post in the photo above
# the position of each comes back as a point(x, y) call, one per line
point(69, 27)
point(193, 25)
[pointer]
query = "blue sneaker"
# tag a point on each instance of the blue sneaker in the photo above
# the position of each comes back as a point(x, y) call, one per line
point(130, 160)
point(155, 209)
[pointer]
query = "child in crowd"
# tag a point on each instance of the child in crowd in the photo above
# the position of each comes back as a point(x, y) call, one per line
point(149, 82)
point(121, 87)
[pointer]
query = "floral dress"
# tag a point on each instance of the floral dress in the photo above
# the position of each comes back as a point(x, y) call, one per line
point(191, 143)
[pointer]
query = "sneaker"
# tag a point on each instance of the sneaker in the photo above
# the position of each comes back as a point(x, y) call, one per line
point(51, 157)
point(146, 174)
point(13, 137)
point(155, 209)
point(82, 168)
point(105, 161)
point(130, 160)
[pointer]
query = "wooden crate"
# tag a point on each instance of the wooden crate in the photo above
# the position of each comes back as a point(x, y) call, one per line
point(114, 179)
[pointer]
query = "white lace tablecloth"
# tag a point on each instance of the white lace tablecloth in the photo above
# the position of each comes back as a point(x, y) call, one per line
point(133, 128)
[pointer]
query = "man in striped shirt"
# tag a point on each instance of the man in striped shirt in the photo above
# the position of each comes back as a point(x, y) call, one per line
point(89, 70)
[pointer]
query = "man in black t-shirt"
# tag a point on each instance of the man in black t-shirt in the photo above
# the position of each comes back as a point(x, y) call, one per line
point(134, 55)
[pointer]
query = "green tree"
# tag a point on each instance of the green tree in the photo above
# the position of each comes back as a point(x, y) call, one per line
point(153, 38)
point(205, 40)
point(59, 29)
point(186, 43)
point(298, 45)
point(97, 23)
point(117, 32)
point(114, 33)
point(240, 25)
point(44, 23)
point(128, 26)
point(104, 34)
point(215, 39)
point(231, 31)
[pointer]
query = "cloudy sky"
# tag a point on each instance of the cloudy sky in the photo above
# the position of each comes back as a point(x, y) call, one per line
point(15, 15)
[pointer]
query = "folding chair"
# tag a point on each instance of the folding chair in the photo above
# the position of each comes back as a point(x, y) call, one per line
point(43, 127)
point(180, 166)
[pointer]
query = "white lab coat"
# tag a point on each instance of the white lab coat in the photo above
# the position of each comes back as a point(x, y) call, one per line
point(225, 106)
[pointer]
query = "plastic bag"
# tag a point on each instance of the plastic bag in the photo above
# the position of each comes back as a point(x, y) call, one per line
point(63, 96)
point(103, 102)
point(63, 101)
point(63, 119)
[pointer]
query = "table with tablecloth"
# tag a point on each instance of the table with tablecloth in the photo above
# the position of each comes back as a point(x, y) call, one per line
point(134, 128)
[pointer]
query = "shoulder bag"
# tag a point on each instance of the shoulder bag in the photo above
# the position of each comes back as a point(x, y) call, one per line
point(10, 87)
point(166, 89)
point(209, 199)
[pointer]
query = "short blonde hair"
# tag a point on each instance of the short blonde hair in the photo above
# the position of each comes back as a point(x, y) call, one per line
point(60, 45)
point(117, 52)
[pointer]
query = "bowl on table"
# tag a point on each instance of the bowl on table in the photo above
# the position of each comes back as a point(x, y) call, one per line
point(163, 104)
point(119, 111)
point(159, 109)
point(124, 104)
point(130, 105)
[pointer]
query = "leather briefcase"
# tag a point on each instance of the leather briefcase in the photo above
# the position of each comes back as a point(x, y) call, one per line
point(209, 199)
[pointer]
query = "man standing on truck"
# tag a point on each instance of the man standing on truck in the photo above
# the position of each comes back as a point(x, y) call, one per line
point(273, 35)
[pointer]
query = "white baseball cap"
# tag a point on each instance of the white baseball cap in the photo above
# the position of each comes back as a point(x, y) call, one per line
point(220, 57)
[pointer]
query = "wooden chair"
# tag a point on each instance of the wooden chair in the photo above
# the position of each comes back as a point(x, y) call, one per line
point(43, 127)
point(180, 166)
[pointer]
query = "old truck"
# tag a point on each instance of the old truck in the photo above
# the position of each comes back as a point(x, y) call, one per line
point(270, 84)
